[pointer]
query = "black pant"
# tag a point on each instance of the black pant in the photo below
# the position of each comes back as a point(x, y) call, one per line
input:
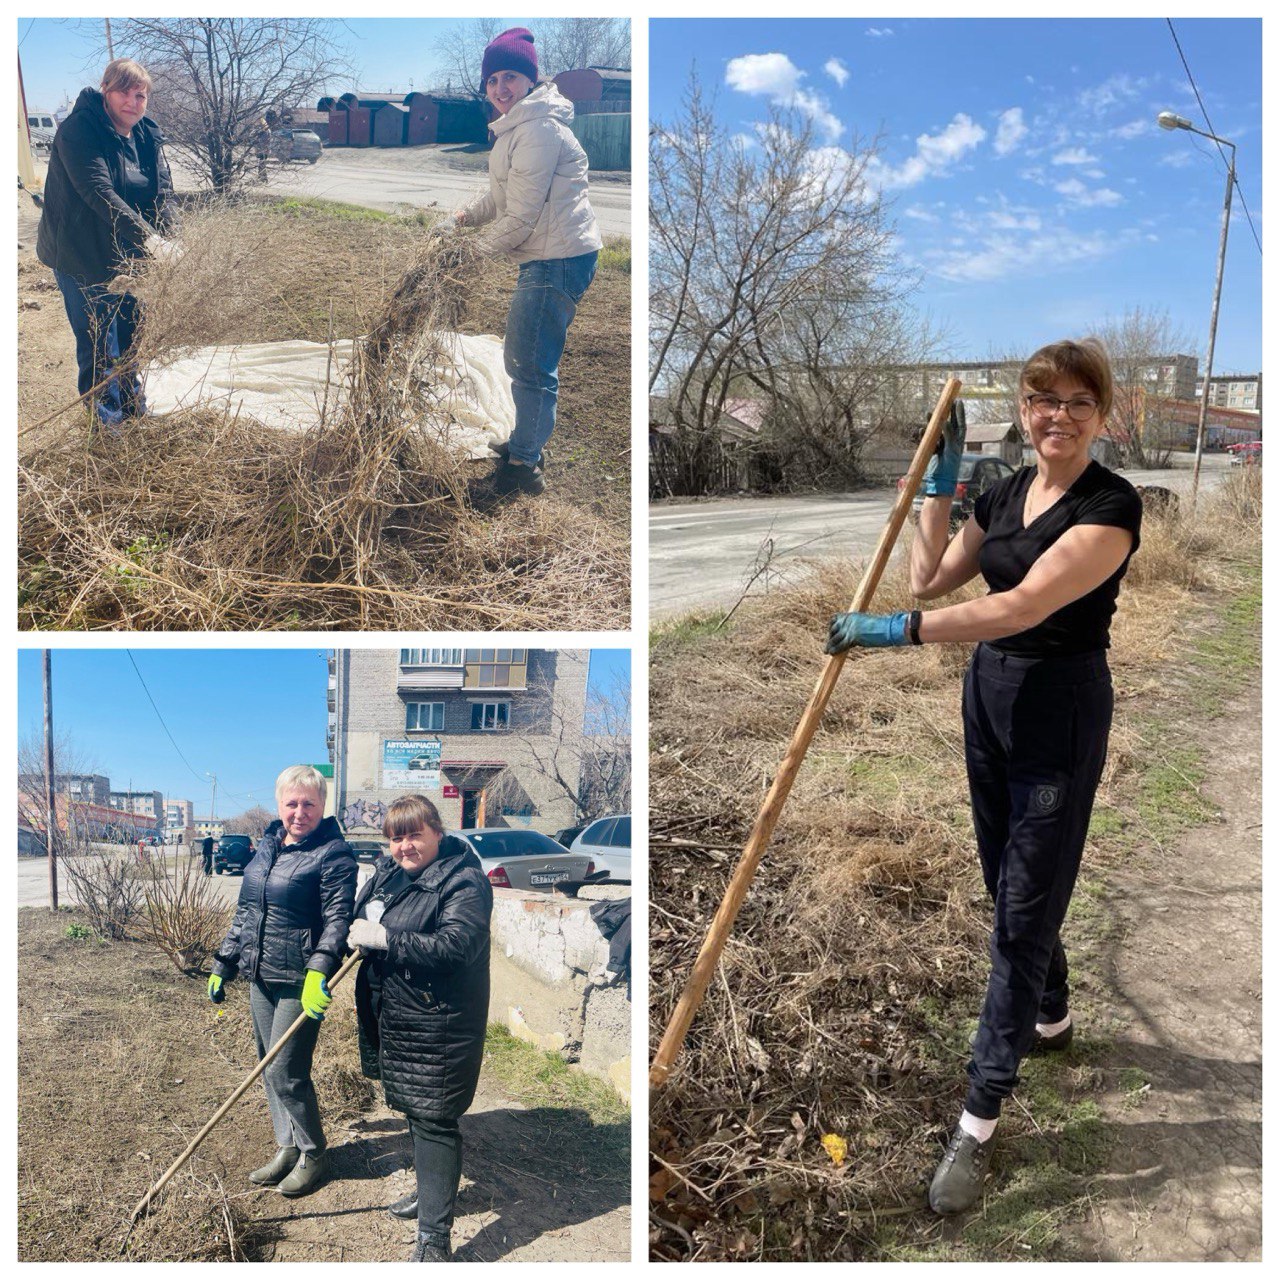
point(437, 1160)
point(1035, 735)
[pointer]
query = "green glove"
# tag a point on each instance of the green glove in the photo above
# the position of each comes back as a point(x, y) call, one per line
point(944, 467)
point(867, 631)
point(315, 994)
point(216, 993)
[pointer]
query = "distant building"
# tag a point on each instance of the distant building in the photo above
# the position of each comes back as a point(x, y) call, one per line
point(1233, 391)
point(207, 827)
point(178, 818)
point(88, 788)
point(146, 804)
point(460, 726)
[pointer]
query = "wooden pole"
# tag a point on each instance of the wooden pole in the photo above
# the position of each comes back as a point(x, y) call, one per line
point(722, 925)
point(350, 963)
point(50, 781)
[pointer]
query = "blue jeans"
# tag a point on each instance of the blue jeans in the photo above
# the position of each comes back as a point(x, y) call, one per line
point(104, 324)
point(542, 308)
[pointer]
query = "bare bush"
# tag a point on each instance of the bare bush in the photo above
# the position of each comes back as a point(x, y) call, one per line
point(185, 918)
point(107, 884)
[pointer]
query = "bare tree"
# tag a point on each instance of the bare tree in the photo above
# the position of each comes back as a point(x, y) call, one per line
point(771, 273)
point(252, 822)
point(217, 79)
point(1144, 422)
point(459, 51)
point(567, 43)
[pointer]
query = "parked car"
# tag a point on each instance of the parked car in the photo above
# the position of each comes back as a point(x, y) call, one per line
point(515, 858)
point(1247, 454)
point(608, 843)
point(367, 850)
point(232, 853)
point(42, 126)
point(978, 472)
point(296, 144)
point(567, 835)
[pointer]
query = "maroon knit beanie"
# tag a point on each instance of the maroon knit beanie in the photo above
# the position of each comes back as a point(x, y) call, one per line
point(511, 51)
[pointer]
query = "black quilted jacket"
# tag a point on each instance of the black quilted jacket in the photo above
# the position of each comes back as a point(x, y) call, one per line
point(295, 908)
point(87, 230)
point(423, 1004)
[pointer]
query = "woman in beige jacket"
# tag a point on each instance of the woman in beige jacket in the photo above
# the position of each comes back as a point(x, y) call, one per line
point(538, 215)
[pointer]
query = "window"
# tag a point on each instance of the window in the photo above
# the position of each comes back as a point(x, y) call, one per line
point(431, 657)
point(424, 715)
point(597, 832)
point(489, 716)
point(496, 669)
point(620, 836)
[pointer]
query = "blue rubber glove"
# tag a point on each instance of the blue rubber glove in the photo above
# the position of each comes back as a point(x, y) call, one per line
point(315, 995)
point(944, 467)
point(216, 993)
point(867, 631)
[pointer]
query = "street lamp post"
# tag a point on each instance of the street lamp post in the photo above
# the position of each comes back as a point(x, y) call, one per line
point(1168, 120)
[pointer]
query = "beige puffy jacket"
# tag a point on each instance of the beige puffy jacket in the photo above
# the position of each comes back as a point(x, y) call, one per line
point(537, 198)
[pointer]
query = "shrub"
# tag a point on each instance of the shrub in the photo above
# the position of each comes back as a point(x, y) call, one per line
point(185, 918)
point(106, 886)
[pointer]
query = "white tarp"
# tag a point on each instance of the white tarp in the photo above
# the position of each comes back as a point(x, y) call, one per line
point(282, 384)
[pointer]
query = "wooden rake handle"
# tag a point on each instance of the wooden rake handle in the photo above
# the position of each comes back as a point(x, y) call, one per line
point(349, 964)
point(722, 925)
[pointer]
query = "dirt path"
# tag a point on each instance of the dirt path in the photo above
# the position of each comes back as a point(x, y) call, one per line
point(506, 1212)
point(1184, 977)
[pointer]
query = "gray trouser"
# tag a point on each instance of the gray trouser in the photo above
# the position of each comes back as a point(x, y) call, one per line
point(295, 1114)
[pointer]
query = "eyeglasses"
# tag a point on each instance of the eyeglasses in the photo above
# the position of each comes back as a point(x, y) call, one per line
point(1081, 409)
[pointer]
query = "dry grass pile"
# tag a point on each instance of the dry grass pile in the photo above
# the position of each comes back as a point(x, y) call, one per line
point(120, 1061)
point(842, 1000)
point(203, 520)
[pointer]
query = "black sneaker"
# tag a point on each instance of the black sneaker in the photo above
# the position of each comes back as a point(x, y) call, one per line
point(1054, 1043)
point(503, 451)
point(431, 1249)
point(957, 1184)
point(507, 480)
point(405, 1207)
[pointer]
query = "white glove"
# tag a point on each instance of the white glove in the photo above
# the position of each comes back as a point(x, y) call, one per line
point(167, 251)
point(367, 936)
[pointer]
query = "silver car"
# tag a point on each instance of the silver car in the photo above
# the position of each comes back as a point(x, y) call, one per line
point(514, 858)
point(607, 841)
point(296, 144)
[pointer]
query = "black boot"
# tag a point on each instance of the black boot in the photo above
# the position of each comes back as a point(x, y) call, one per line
point(405, 1207)
point(507, 480)
point(431, 1249)
point(503, 451)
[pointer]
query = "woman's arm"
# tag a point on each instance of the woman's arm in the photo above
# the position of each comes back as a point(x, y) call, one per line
point(481, 210)
point(1082, 559)
point(90, 175)
point(227, 959)
point(338, 874)
point(939, 563)
point(460, 938)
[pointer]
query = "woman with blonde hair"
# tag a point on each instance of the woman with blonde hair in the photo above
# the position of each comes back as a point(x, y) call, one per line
point(1052, 541)
point(108, 199)
point(422, 997)
point(288, 935)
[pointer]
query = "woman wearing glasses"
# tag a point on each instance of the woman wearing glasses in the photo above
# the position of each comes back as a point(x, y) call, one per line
point(1052, 542)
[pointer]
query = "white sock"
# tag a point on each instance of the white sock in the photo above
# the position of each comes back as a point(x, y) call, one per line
point(1053, 1028)
point(976, 1127)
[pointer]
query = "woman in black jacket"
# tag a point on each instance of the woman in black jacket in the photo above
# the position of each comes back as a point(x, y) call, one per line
point(107, 199)
point(289, 934)
point(422, 996)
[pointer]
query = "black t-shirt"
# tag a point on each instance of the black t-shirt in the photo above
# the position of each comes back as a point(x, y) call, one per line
point(1008, 551)
point(137, 192)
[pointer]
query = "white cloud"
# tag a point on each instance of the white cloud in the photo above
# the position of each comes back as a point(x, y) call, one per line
point(1134, 129)
point(1010, 131)
point(1074, 155)
point(1009, 220)
point(920, 214)
point(771, 74)
point(1010, 255)
point(1175, 159)
point(1084, 197)
point(877, 32)
point(744, 140)
point(776, 77)
point(1111, 92)
point(935, 153)
point(836, 70)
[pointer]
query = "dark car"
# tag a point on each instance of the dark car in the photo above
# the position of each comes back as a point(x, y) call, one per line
point(233, 853)
point(515, 858)
point(978, 472)
point(366, 849)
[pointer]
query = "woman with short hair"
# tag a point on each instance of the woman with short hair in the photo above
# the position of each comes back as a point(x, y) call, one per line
point(108, 199)
point(1053, 542)
point(288, 935)
point(422, 998)
point(538, 214)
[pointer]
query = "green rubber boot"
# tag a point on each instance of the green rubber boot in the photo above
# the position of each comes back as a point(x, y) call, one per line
point(957, 1184)
point(278, 1169)
point(309, 1173)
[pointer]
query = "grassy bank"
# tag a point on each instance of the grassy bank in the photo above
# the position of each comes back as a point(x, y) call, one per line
point(853, 981)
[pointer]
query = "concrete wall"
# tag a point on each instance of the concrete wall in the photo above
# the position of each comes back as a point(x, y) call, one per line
point(548, 959)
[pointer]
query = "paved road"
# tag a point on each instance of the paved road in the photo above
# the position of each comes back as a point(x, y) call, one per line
point(420, 178)
point(701, 554)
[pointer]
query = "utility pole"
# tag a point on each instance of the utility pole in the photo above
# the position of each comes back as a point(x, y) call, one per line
point(111, 52)
point(50, 816)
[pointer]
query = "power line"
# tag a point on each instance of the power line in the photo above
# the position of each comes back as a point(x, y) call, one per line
point(1209, 124)
point(198, 777)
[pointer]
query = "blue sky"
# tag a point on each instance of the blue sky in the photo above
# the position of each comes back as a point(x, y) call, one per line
point(60, 55)
point(1033, 193)
point(242, 714)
